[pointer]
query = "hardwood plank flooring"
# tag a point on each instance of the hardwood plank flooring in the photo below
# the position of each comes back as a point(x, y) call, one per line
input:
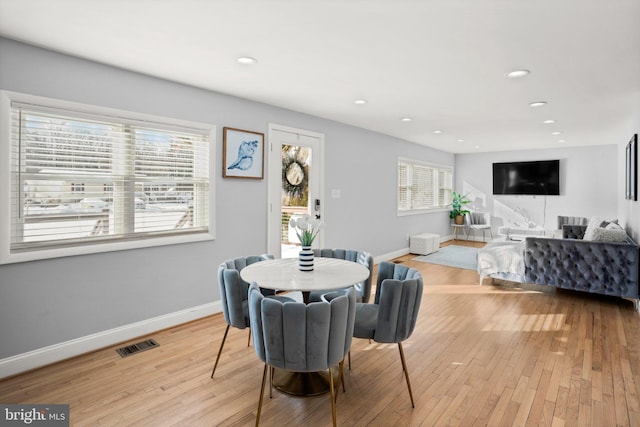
point(500, 354)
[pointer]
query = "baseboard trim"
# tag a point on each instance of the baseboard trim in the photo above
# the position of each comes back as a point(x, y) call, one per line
point(54, 353)
point(390, 255)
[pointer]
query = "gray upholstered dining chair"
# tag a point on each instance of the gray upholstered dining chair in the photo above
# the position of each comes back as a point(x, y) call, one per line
point(478, 221)
point(301, 337)
point(234, 295)
point(363, 289)
point(392, 316)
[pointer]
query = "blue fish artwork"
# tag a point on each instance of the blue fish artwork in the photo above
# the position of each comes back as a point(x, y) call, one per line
point(245, 156)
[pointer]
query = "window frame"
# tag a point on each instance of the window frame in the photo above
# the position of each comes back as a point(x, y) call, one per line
point(7, 257)
point(438, 168)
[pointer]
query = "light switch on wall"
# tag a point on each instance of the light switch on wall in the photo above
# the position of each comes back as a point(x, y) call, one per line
point(335, 193)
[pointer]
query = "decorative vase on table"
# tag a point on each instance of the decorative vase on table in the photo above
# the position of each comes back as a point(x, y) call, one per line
point(305, 259)
point(307, 228)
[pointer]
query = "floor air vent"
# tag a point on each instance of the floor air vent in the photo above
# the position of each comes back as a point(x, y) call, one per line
point(137, 348)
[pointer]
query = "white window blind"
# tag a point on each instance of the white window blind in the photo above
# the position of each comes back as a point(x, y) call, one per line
point(80, 179)
point(422, 186)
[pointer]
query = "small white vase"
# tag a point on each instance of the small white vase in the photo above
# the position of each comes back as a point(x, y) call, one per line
point(305, 259)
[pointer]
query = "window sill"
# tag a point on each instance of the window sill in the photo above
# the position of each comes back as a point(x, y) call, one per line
point(422, 211)
point(34, 255)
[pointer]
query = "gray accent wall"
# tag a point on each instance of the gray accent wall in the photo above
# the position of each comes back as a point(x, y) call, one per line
point(47, 302)
point(589, 185)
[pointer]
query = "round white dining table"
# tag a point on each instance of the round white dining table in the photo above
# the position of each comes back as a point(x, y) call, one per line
point(283, 275)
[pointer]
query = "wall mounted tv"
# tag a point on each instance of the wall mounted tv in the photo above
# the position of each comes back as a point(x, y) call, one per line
point(527, 178)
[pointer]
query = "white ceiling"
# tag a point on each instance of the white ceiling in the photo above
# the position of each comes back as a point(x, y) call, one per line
point(440, 62)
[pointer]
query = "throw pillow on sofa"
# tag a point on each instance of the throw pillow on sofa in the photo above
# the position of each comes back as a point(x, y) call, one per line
point(595, 223)
point(609, 235)
point(614, 226)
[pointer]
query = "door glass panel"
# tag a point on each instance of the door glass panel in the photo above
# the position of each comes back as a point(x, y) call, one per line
point(296, 165)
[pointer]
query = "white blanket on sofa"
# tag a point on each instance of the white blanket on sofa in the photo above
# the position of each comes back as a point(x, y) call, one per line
point(504, 260)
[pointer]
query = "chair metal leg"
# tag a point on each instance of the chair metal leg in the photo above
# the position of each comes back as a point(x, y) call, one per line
point(344, 390)
point(264, 380)
point(406, 373)
point(333, 399)
point(220, 351)
point(270, 382)
point(249, 339)
point(349, 359)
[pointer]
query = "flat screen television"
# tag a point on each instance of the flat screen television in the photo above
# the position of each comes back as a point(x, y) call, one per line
point(540, 177)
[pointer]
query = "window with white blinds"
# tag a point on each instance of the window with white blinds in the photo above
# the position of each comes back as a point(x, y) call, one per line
point(423, 186)
point(85, 179)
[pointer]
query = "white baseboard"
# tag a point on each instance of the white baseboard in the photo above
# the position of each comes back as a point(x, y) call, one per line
point(54, 353)
point(390, 255)
point(404, 251)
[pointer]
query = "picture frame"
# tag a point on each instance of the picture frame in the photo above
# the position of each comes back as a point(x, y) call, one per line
point(627, 172)
point(242, 154)
point(631, 183)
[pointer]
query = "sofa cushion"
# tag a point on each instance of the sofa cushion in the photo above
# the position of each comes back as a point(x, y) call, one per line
point(601, 234)
point(573, 231)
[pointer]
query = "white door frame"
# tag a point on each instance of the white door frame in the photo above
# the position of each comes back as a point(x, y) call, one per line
point(275, 183)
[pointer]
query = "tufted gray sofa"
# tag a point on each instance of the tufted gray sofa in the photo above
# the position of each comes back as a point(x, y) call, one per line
point(572, 263)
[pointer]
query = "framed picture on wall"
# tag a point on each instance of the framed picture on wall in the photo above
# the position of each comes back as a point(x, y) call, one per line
point(631, 183)
point(627, 170)
point(242, 154)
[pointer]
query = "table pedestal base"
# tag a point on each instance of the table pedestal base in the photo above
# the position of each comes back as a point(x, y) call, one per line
point(304, 383)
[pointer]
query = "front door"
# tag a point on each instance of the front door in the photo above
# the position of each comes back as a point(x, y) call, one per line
point(295, 185)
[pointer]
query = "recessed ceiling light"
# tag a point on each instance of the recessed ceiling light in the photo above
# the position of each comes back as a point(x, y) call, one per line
point(516, 74)
point(477, 147)
point(438, 132)
point(461, 140)
point(561, 140)
point(406, 119)
point(557, 132)
point(537, 104)
point(247, 60)
point(549, 122)
point(359, 102)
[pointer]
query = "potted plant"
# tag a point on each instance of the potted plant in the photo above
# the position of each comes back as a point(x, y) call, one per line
point(457, 208)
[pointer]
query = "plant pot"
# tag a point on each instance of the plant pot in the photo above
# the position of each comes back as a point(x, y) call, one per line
point(459, 219)
point(305, 259)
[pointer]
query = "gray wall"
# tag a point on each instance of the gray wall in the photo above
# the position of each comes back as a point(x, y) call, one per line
point(52, 301)
point(589, 185)
point(630, 210)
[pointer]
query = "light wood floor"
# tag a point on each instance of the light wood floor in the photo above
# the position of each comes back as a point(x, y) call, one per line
point(501, 354)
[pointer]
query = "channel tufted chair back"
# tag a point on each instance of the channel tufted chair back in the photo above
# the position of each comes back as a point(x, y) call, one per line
point(301, 337)
point(392, 317)
point(234, 295)
point(363, 289)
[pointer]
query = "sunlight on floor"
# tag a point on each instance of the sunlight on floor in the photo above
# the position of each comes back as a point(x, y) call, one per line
point(526, 322)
